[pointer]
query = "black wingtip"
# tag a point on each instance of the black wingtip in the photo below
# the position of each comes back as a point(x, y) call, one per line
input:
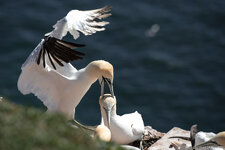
point(57, 51)
point(63, 50)
point(68, 44)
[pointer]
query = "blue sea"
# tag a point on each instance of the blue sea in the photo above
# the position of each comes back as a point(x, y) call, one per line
point(168, 57)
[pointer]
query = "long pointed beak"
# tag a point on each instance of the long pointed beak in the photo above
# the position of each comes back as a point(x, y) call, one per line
point(110, 85)
point(102, 87)
point(111, 89)
point(108, 112)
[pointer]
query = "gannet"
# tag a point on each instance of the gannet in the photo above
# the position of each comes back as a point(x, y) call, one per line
point(210, 141)
point(47, 72)
point(124, 129)
point(103, 133)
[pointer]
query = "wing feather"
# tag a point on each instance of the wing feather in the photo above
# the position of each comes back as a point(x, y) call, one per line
point(53, 53)
point(138, 125)
point(87, 22)
point(60, 51)
point(67, 70)
point(44, 83)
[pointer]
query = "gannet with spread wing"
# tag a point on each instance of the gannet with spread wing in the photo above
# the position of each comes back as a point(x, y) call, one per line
point(47, 72)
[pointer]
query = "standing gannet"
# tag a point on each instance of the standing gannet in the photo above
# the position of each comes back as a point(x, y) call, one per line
point(47, 72)
point(124, 129)
point(210, 141)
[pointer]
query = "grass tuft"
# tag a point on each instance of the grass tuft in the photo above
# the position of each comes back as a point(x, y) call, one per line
point(26, 128)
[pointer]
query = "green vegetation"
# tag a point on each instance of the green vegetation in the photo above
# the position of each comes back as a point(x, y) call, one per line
point(25, 128)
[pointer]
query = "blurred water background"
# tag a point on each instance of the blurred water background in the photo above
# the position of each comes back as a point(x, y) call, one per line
point(168, 56)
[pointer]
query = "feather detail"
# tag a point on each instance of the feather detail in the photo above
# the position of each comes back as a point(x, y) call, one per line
point(59, 50)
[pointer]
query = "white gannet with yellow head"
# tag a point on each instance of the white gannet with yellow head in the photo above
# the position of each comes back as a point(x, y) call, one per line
point(47, 72)
point(124, 129)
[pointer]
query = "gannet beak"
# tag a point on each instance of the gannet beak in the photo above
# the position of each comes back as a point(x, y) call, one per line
point(102, 87)
point(110, 85)
point(108, 112)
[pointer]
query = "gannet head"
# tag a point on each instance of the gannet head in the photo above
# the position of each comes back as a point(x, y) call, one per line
point(220, 138)
point(108, 105)
point(103, 133)
point(104, 72)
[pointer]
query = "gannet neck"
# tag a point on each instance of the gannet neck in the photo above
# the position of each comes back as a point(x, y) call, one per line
point(75, 89)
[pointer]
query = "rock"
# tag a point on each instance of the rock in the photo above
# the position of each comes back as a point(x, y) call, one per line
point(166, 143)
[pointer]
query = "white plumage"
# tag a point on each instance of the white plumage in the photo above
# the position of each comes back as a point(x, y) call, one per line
point(83, 21)
point(124, 129)
point(202, 137)
point(58, 84)
point(127, 128)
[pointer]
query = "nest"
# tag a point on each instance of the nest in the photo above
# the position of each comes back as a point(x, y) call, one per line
point(149, 138)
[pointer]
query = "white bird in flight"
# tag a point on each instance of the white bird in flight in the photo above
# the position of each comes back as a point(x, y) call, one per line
point(58, 84)
point(124, 129)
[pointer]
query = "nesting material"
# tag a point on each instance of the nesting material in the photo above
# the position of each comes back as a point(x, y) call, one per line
point(149, 138)
point(166, 143)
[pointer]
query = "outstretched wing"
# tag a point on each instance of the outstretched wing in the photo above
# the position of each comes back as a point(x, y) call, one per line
point(58, 51)
point(52, 52)
point(48, 85)
point(87, 22)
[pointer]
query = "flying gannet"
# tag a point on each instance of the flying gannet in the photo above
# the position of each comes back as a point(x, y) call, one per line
point(124, 129)
point(47, 72)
